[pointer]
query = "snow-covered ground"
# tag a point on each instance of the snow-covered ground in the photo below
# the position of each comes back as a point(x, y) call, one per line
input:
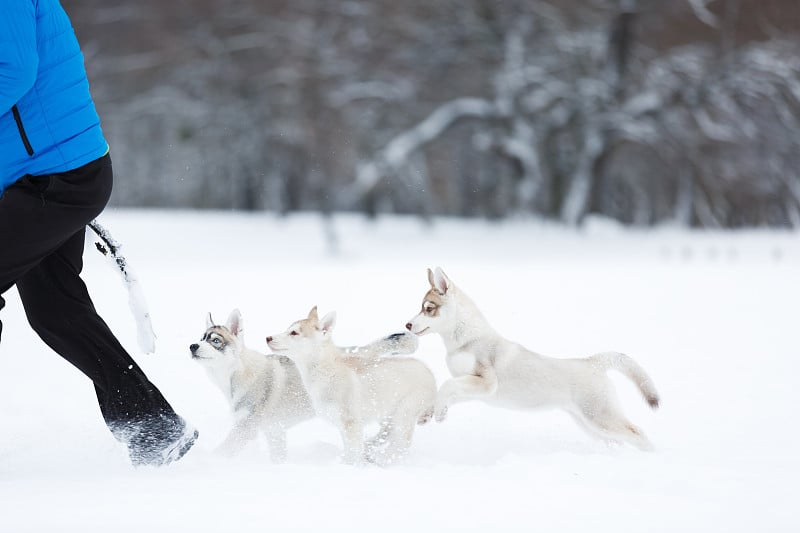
point(712, 317)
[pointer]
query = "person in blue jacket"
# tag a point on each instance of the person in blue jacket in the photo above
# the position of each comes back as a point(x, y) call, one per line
point(56, 177)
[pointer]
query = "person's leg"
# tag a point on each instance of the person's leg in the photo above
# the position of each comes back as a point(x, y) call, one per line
point(60, 310)
point(28, 231)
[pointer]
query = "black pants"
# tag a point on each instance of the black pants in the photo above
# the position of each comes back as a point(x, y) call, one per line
point(42, 224)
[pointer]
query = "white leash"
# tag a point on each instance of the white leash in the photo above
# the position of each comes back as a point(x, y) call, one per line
point(136, 300)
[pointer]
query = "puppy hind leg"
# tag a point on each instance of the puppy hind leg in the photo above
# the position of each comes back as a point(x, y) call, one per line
point(398, 442)
point(382, 436)
point(626, 431)
point(406, 416)
point(590, 429)
point(636, 436)
point(375, 448)
point(612, 425)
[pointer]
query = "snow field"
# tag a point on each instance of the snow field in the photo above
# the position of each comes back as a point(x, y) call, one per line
point(710, 316)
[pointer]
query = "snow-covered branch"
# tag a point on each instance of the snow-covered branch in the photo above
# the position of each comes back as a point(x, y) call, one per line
point(701, 11)
point(402, 146)
point(572, 110)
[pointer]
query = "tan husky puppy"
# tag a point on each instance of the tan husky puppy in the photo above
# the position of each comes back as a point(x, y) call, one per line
point(350, 391)
point(488, 367)
point(265, 391)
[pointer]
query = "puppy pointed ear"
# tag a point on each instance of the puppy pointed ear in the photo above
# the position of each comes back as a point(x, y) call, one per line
point(209, 321)
point(441, 282)
point(235, 322)
point(312, 315)
point(327, 323)
point(430, 278)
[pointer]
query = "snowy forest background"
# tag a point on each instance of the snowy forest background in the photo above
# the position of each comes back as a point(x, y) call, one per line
point(647, 111)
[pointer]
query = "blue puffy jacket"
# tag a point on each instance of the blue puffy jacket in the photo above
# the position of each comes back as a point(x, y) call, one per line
point(48, 122)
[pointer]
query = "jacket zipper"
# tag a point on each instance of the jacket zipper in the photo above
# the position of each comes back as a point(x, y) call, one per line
point(22, 134)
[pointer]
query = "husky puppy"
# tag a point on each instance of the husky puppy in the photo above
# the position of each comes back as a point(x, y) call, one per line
point(350, 391)
point(488, 367)
point(265, 392)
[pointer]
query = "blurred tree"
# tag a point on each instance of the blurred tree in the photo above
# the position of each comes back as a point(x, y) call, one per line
point(643, 110)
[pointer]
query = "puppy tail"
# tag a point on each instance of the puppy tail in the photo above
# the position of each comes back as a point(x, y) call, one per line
point(630, 368)
point(395, 344)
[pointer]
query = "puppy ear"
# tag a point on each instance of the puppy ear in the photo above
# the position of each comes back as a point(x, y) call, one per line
point(235, 322)
point(430, 278)
point(441, 282)
point(209, 321)
point(312, 315)
point(327, 323)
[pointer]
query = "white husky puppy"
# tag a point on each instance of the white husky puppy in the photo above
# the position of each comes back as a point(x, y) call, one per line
point(488, 367)
point(350, 391)
point(265, 392)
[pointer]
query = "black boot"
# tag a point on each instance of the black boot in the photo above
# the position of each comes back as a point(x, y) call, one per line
point(155, 441)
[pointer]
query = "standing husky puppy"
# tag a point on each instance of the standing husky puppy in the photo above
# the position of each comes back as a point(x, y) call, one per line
point(265, 392)
point(350, 391)
point(488, 367)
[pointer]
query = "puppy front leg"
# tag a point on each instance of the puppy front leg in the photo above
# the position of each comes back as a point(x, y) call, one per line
point(353, 440)
point(462, 389)
point(241, 433)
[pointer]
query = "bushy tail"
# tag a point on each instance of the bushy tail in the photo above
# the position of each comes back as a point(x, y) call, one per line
point(110, 248)
point(395, 344)
point(630, 368)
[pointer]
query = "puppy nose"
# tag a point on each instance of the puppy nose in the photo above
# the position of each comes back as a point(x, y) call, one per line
point(269, 339)
point(408, 326)
point(193, 348)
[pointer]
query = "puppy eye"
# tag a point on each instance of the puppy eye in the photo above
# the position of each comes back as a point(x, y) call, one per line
point(216, 341)
point(293, 333)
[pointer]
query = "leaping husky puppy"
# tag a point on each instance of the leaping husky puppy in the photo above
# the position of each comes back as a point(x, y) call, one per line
point(265, 392)
point(488, 367)
point(350, 391)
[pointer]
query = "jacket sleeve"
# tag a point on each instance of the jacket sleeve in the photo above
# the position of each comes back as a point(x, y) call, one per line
point(19, 59)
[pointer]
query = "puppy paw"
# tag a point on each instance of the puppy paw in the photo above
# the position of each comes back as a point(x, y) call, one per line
point(425, 418)
point(371, 454)
point(440, 413)
point(278, 458)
